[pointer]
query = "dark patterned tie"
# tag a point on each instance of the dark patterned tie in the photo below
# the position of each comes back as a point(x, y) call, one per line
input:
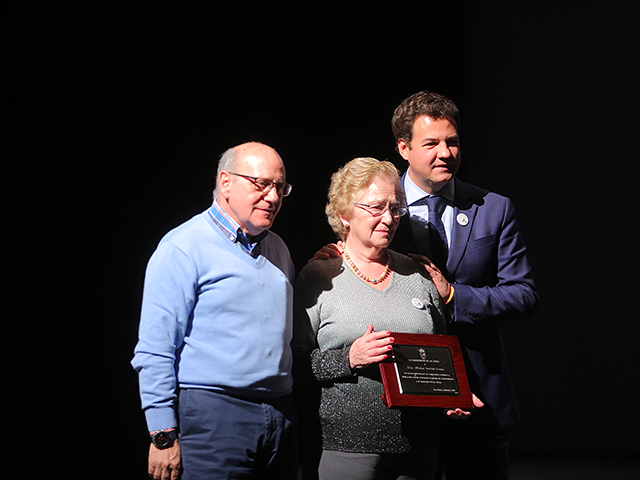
point(437, 235)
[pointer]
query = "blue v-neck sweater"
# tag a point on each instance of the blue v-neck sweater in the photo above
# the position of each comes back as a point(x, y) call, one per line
point(213, 317)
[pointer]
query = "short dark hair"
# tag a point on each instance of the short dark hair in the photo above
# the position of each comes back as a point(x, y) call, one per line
point(420, 104)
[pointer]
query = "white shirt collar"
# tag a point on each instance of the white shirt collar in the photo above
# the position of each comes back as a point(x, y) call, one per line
point(415, 193)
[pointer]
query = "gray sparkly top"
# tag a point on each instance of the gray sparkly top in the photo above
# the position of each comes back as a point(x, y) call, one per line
point(333, 307)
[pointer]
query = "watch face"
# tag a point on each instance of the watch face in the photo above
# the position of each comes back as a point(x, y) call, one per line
point(161, 439)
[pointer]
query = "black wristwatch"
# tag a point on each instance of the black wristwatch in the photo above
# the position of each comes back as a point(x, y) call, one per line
point(164, 438)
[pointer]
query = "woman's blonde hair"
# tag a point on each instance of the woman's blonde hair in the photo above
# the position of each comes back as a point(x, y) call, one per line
point(349, 181)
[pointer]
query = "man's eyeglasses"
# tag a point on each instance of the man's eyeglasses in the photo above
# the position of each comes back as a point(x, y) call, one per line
point(378, 210)
point(265, 186)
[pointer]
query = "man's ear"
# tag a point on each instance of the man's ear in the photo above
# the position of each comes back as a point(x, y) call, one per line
point(224, 184)
point(403, 149)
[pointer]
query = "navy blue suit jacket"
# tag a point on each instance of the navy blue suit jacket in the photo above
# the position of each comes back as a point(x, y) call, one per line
point(488, 267)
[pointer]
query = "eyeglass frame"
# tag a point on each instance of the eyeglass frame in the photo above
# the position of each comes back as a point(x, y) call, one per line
point(403, 210)
point(286, 187)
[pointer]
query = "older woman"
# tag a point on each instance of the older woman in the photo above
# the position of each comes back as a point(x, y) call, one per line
point(345, 309)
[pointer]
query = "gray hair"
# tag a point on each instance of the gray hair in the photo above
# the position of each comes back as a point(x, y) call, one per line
point(228, 162)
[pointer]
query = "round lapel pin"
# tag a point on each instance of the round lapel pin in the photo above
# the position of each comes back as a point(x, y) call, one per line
point(417, 303)
point(462, 219)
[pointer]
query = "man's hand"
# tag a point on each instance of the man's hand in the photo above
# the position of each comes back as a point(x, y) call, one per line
point(328, 251)
point(459, 414)
point(372, 347)
point(443, 287)
point(164, 464)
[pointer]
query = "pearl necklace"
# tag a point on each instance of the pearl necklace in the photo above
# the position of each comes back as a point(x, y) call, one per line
point(357, 271)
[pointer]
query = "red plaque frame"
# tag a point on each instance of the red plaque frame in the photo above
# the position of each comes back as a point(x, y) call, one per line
point(392, 396)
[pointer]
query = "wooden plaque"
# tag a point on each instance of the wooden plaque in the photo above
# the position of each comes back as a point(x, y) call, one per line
point(425, 371)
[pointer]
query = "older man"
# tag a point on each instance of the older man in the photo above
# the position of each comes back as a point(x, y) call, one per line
point(213, 355)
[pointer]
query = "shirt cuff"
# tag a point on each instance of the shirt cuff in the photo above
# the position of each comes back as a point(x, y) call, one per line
point(160, 418)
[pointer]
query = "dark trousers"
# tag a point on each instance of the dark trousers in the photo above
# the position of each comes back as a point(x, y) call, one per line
point(475, 448)
point(224, 437)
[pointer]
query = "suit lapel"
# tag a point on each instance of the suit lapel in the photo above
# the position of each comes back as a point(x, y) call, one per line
point(464, 214)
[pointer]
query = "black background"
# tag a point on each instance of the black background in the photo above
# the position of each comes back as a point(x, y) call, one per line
point(115, 118)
